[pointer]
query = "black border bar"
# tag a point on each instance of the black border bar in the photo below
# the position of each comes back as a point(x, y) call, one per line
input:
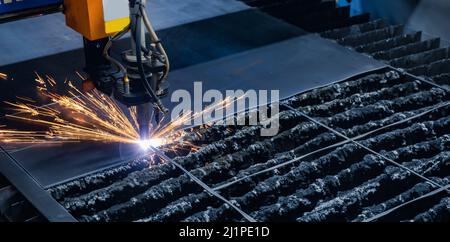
point(31, 190)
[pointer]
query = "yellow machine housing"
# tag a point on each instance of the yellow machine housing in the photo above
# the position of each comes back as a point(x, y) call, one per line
point(96, 19)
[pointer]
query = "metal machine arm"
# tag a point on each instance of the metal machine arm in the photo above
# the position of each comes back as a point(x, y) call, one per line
point(139, 78)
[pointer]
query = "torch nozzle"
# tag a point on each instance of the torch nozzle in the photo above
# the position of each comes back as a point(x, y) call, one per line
point(144, 116)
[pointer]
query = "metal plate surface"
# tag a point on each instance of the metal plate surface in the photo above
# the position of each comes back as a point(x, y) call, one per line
point(291, 66)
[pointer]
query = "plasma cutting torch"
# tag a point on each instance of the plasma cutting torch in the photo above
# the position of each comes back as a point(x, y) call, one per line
point(139, 78)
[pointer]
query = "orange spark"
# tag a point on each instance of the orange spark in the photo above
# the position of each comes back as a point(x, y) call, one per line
point(3, 76)
point(92, 116)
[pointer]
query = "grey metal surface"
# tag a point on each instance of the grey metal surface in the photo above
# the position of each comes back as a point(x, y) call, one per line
point(32, 191)
point(51, 165)
point(291, 66)
point(36, 37)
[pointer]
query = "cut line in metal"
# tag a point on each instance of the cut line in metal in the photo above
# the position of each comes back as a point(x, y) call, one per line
point(436, 107)
point(202, 184)
point(12, 151)
point(367, 148)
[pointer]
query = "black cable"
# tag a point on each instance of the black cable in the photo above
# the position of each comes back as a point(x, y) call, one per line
point(147, 86)
point(156, 42)
point(109, 45)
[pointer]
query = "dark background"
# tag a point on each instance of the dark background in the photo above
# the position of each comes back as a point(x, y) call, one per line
point(433, 16)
